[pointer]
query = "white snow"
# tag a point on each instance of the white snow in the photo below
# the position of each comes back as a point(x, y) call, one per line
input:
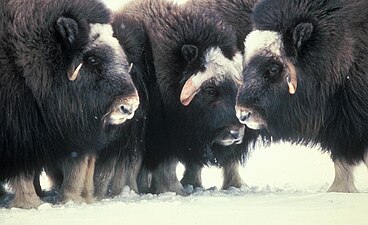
point(287, 187)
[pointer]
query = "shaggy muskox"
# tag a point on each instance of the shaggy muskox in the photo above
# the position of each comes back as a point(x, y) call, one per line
point(191, 90)
point(64, 83)
point(305, 78)
point(119, 163)
point(236, 13)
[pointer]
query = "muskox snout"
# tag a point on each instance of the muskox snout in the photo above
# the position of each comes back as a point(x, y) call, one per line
point(127, 109)
point(231, 135)
point(123, 109)
point(250, 117)
point(243, 114)
point(237, 134)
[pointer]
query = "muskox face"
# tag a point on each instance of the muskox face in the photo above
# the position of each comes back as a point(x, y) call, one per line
point(213, 109)
point(269, 79)
point(98, 73)
point(209, 97)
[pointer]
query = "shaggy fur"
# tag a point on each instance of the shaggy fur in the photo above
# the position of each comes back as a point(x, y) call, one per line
point(46, 117)
point(326, 44)
point(237, 13)
point(118, 165)
point(176, 132)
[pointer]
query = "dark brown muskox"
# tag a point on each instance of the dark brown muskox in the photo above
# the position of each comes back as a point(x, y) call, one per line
point(237, 14)
point(119, 163)
point(306, 78)
point(63, 83)
point(192, 82)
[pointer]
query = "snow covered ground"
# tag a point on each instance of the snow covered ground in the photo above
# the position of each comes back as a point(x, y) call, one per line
point(287, 186)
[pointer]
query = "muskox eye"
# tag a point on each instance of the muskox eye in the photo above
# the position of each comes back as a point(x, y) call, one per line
point(93, 60)
point(274, 70)
point(210, 91)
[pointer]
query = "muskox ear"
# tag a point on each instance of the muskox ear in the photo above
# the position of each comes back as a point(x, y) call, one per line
point(302, 32)
point(190, 53)
point(68, 30)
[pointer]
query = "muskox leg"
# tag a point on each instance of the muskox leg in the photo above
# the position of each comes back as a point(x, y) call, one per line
point(87, 192)
point(75, 172)
point(231, 175)
point(2, 189)
point(102, 177)
point(37, 184)
point(192, 176)
point(25, 193)
point(133, 174)
point(144, 180)
point(164, 179)
point(344, 178)
point(126, 174)
point(366, 158)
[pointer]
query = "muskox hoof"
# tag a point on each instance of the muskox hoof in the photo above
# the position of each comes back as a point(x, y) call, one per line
point(25, 202)
point(62, 199)
point(192, 177)
point(344, 178)
point(191, 185)
point(233, 182)
point(182, 192)
point(342, 188)
point(173, 187)
point(231, 175)
point(234, 185)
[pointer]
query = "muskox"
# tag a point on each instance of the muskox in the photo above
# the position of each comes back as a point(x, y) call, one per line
point(119, 163)
point(194, 67)
point(237, 14)
point(64, 84)
point(305, 78)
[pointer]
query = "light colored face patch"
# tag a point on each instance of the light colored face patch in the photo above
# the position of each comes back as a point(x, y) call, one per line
point(218, 67)
point(178, 2)
point(262, 43)
point(269, 44)
point(101, 35)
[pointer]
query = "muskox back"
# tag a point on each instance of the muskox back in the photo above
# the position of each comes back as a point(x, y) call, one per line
point(64, 83)
point(237, 13)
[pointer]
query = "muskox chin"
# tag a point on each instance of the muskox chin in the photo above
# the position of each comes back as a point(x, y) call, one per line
point(62, 71)
point(305, 78)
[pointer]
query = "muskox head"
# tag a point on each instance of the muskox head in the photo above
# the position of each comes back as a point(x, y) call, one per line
point(268, 74)
point(81, 81)
point(208, 95)
point(299, 62)
point(293, 63)
point(98, 70)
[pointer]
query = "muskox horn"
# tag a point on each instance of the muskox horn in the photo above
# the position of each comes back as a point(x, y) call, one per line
point(130, 67)
point(74, 72)
point(190, 89)
point(291, 79)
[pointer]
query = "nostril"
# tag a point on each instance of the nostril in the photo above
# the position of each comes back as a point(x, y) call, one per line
point(235, 134)
point(244, 115)
point(126, 109)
